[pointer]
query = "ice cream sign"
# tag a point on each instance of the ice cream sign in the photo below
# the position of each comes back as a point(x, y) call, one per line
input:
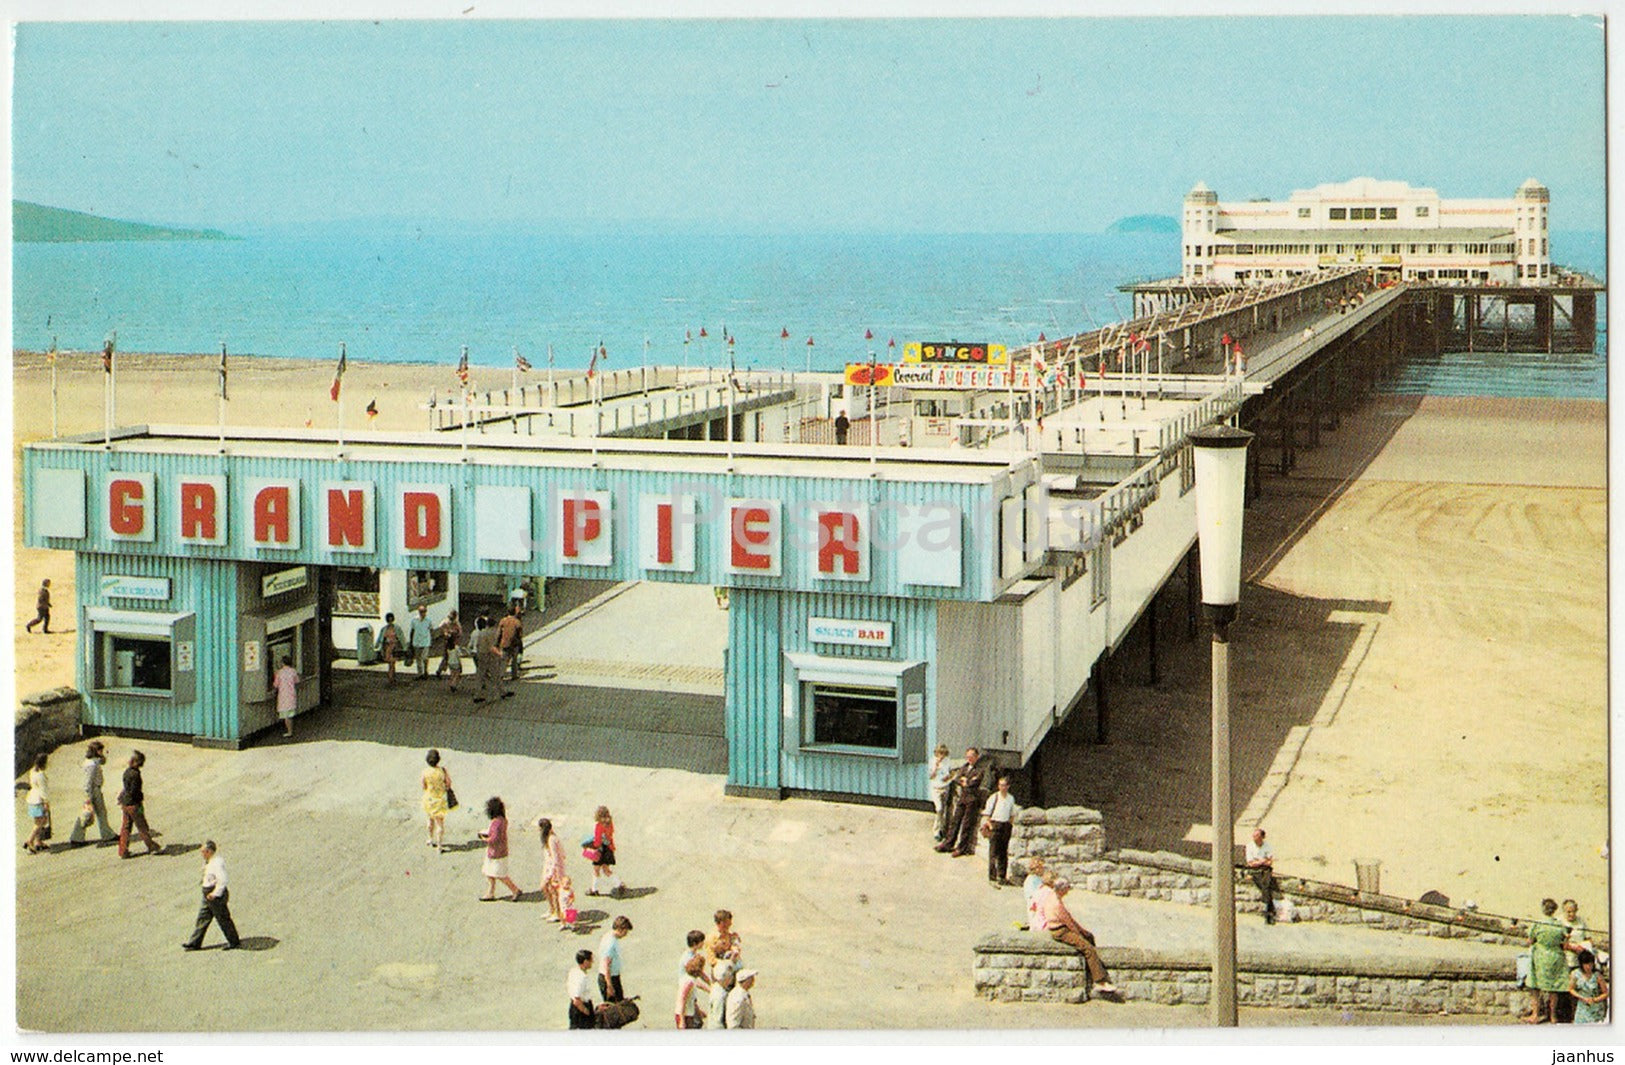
point(852, 633)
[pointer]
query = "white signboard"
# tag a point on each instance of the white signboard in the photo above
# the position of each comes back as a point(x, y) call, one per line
point(251, 656)
point(502, 523)
point(135, 587)
point(852, 633)
point(283, 581)
point(183, 656)
point(59, 503)
point(914, 710)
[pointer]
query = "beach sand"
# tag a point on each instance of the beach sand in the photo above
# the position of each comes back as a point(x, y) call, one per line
point(1420, 678)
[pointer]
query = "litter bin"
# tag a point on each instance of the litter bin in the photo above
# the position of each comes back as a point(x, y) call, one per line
point(1368, 875)
point(365, 652)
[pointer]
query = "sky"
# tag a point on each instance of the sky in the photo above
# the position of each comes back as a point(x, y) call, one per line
point(895, 125)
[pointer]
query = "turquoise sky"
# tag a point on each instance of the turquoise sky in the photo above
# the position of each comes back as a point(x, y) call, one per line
point(749, 126)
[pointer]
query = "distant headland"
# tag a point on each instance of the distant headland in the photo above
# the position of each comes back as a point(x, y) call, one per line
point(1145, 223)
point(37, 224)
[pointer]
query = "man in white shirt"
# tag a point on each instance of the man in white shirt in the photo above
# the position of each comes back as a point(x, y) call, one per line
point(214, 906)
point(419, 636)
point(1261, 867)
point(578, 987)
point(741, 1013)
point(999, 811)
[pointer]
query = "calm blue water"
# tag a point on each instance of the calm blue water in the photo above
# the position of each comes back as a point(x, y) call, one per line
point(405, 295)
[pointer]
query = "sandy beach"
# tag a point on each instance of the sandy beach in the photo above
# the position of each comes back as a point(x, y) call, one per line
point(1420, 670)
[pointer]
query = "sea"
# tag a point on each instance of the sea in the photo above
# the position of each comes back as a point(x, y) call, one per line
point(394, 292)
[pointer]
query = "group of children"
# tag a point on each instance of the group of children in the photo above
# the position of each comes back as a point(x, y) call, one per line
point(712, 968)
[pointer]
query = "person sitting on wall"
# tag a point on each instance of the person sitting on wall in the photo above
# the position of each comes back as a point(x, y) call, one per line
point(1064, 928)
point(970, 786)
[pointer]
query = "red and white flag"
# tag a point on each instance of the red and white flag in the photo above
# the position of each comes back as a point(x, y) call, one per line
point(521, 363)
point(462, 366)
point(338, 374)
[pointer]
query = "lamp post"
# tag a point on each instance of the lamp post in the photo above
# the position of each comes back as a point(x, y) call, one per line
point(1221, 478)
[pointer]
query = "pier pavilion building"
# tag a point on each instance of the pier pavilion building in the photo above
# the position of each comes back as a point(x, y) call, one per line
point(1411, 233)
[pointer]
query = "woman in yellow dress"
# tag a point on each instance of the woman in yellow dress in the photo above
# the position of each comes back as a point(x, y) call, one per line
point(436, 783)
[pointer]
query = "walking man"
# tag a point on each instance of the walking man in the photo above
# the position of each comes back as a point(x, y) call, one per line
point(479, 646)
point(215, 897)
point(419, 637)
point(132, 800)
point(510, 639)
point(95, 809)
point(578, 986)
point(970, 792)
point(1064, 928)
point(609, 960)
point(42, 608)
point(1000, 811)
point(1261, 867)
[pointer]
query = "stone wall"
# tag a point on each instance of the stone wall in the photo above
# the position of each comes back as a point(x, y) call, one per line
point(1030, 967)
point(1072, 842)
point(45, 721)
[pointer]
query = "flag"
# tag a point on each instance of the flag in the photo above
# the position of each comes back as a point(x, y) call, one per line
point(702, 332)
point(50, 356)
point(809, 342)
point(868, 335)
point(1041, 339)
point(1225, 339)
point(107, 356)
point(372, 408)
point(688, 337)
point(892, 343)
point(784, 334)
point(223, 372)
point(462, 366)
point(521, 363)
point(338, 375)
point(597, 353)
point(434, 400)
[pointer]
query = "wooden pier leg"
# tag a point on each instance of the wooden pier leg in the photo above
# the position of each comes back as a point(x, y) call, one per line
point(1151, 637)
point(1190, 593)
point(1097, 679)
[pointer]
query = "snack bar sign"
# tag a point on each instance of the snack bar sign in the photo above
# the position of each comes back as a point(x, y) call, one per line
point(851, 633)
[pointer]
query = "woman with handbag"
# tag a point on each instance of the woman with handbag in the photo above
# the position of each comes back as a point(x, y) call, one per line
point(600, 851)
point(438, 799)
point(39, 807)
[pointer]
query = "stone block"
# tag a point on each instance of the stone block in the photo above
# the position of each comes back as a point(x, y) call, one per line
point(45, 721)
point(1076, 995)
point(1074, 815)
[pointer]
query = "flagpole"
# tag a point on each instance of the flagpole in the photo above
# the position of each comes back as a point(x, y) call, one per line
point(643, 369)
point(513, 393)
point(343, 361)
point(112, 398)
point(222, 402)
point(552, 396)
point(54, 433)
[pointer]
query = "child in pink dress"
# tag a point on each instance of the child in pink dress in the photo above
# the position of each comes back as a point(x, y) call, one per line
point(567, 903)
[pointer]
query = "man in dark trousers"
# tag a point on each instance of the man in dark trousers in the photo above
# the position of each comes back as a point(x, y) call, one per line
point(42, 608)
point(215, 898)
point(970, 793)
point(132, 800)
point(1261, 866)
point(843, 425)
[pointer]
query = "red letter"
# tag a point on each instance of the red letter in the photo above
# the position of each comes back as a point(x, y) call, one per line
point(346, 517)
point(580, 526)
point(197, 511)
point(663, 546)
point(750, 526)
point(125, 514)
point(838, 535)
point(420, 513)
point(271, 506)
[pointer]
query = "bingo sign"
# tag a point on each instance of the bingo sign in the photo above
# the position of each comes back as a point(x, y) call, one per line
point(953, 353)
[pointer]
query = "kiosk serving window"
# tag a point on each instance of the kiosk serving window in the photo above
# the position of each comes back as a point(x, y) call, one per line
point(134, 652)
point(855, 706)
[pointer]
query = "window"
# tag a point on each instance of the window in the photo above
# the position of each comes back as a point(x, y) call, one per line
point(356, 591)
point(1543, 245)
point(1303, 212)
point(1337, 214)
point(1389, 214)
point(1421, 212)
point(1363, 214)
point(1196, 271)
point(425, 587)
point(1543, 269)
point(133, 663)
point(850, 715)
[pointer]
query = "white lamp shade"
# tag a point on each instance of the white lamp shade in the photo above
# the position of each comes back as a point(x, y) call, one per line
point(1221, 481)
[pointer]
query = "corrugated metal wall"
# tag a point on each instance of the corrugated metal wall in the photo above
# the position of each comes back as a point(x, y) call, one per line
point(764, 625)
point(208, 589)
point(976, 501)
